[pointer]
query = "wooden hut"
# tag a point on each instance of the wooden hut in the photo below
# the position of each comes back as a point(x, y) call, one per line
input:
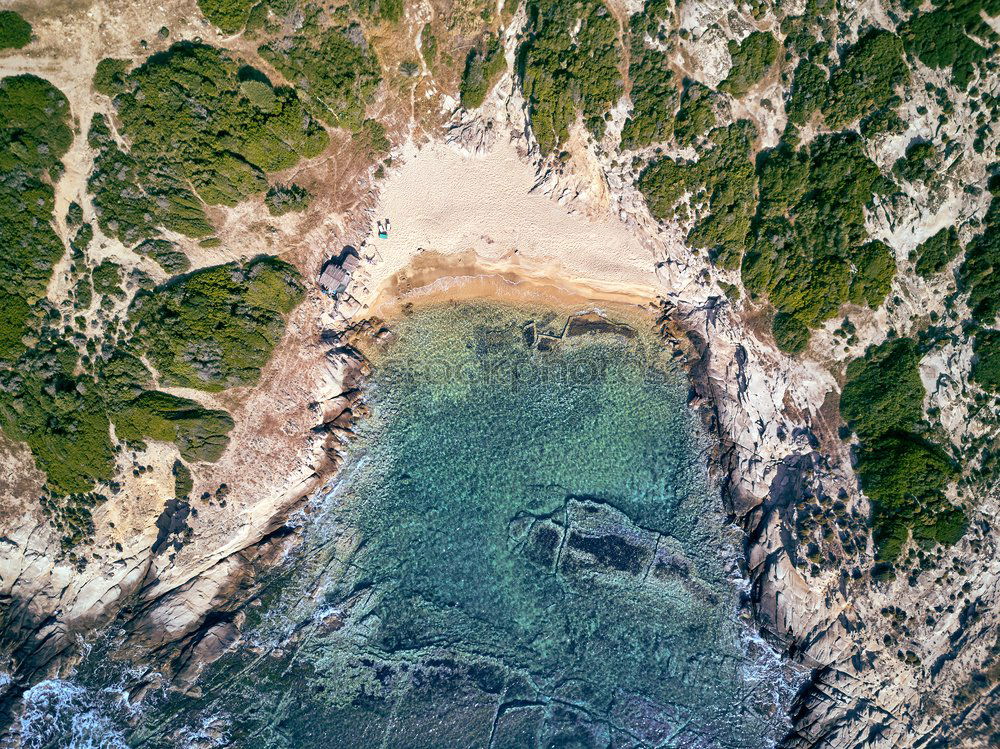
point(336, 274)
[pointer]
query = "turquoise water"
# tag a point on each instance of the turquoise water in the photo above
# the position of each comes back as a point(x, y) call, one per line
point(524, 549)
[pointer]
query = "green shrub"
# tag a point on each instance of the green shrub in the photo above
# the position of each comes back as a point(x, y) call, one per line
point(191, 122)
point(882, 122)
point(654, 85)
point(122, 377)
point(918, 164)
point(934, 253)
point(428, 45)
point(986, 365)
point(258, 17)
point(215, 328)
point(866, 79)
point(904, 477)
point(564, 74)
point(34, 136)
point(109, 78)
point(790, 333)
point(199, 433)
point(391, 10)
point(122, 208)
point(261, 95)
point(725, 174)
point(83, 293)
point(883, 392)
point(808, 252)
point(903, 473)
point(183, 481)
point(895, 468)
point(663, 183)
point(15, 32)
point(45, 403)
point(74, 215)
point(944, 525)
point(229, 15)
point(49, 396)
point(282, 199)
point(373, 138)
point(334, 70)
point(945, 37)
point(751, 59)
point(980, 272)
point(81, 240)
point(808, 92)
point(696, 115)
point(165, 254)
point(107, 278)
point(874, 268)
point(484, 65)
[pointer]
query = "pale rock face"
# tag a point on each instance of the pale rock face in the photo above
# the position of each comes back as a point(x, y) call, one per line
point(706, 55)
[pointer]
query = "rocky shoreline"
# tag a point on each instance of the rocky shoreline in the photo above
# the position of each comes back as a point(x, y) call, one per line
point(179, 629)
point(890, 663)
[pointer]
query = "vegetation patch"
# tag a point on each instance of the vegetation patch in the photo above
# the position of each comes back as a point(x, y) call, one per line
point(723, 186)
point(109, 78)
point(229, 15)
point(64, 411)
point(883, 392)
point(947, 36)
point(808, 252)
point(164, 253)
point(790, 333)
point(282, 199)
point(335, 70)
point(808, 92)
point(183, 481)
point(918, 163)
point(569, 65)
point(45, 403)
point(107, 279)
point(123, 209)
point(902, 471)
point(15, 32)
point(986, 365)
point(34, 136)
point(751, 59)
point(866, 79)
point(215, 328)
point(201, 130)
point(654, 91)
point(882, 122)
point(484, 65)
point(199, 433)
point(935, 252)
point(696, 115)
point(980, 272)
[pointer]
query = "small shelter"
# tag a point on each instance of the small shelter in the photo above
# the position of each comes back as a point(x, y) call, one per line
point(336, 274)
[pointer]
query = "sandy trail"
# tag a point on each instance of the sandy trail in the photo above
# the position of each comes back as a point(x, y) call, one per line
point(456, 215)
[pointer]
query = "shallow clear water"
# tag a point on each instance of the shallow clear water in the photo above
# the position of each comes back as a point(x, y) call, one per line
point(524, 549)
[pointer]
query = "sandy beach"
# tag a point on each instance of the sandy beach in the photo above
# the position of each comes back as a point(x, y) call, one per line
point(477, 219)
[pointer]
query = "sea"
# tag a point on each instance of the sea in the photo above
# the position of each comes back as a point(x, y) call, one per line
point(525, 547)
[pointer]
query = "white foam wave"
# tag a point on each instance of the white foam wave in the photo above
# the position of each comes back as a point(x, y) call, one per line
point(65, 714)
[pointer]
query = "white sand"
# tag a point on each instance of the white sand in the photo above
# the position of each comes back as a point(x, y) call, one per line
point(441, 202)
